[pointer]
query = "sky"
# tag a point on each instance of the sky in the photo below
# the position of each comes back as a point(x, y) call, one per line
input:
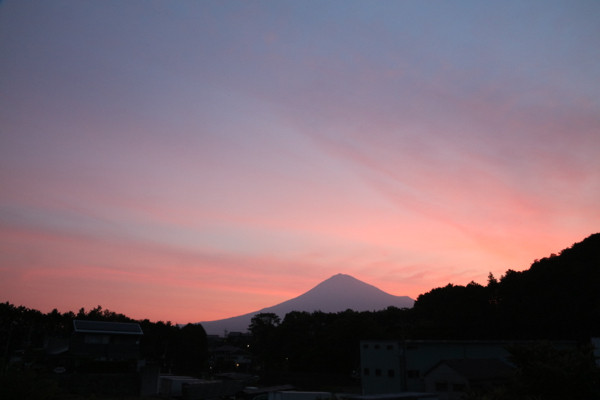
point(196, 160)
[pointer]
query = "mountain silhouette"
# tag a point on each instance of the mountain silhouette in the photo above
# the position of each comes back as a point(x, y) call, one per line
point(338, 293)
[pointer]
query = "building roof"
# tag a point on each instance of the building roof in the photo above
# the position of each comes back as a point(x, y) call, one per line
point(478, 369)
point(390, 396)
point(266, 389)
point(115, 328)
point(228, 349)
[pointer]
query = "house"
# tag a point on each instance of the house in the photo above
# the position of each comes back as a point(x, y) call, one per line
point(400, 366)
point(391, 366)
point(450, 379)
point(105, 341)
point(101, 358)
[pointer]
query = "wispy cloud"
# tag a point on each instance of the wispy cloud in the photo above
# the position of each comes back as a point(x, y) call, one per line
point(202, 160)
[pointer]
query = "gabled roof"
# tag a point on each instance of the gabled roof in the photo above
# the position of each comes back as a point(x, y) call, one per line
point(115, 328)
point(477, 369)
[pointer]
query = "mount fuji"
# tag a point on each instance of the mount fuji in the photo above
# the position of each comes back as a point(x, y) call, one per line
point(338, 293)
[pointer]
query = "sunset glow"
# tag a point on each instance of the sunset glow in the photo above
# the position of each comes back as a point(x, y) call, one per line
point(191, 161)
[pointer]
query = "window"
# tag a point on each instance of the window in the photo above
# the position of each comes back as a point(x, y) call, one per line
point(391, 373)
point(377, 372)
point(365, 346)
point(366, 372)
point(390, 347)
point(376, 346)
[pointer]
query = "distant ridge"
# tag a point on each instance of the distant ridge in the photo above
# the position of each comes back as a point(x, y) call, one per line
point(338, 293)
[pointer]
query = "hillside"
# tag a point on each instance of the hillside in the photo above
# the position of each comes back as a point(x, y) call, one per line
point(338, 293)
point(556, 298)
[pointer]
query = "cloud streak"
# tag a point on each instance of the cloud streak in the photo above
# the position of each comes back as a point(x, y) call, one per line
point(202, 160)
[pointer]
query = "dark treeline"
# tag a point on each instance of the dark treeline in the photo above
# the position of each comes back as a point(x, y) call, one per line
point(318, 342)
point(26, 335)
point(175, 349)
point(556, 298)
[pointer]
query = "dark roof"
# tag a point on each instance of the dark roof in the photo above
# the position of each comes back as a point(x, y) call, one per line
point(117, 328)
point(236, 376)
point(478, 369)
point(390, 396)
point(227, 349)
point(266, 389)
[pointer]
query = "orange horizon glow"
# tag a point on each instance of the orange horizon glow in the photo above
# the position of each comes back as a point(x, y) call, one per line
point(202, 160)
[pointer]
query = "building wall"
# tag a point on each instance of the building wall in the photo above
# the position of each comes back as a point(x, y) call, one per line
point(400, 366)
point(105, 347)
point(381, 370)
point(446, 382)
point(596, 348)
point(421, 356)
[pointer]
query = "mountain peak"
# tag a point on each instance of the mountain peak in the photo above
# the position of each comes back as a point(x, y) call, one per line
point(339, 277)
point(338, 293)
point(342, 283)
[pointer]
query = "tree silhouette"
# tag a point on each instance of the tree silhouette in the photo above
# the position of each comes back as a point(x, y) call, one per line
point(265, 340)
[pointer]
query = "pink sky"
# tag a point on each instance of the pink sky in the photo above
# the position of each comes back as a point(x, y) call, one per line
point(194, 161)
